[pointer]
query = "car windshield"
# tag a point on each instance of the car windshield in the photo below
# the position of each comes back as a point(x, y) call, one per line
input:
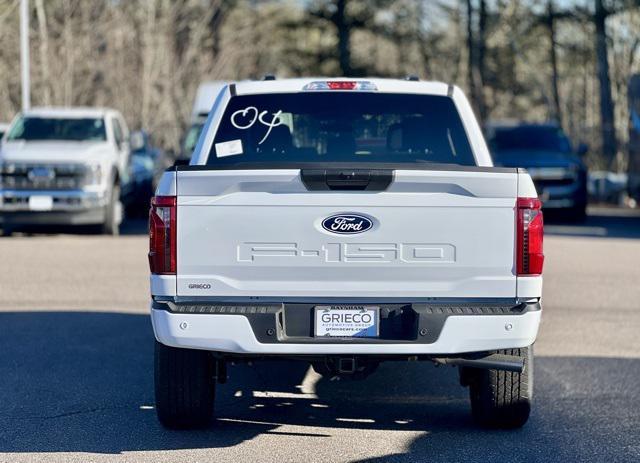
point(41, 128)
point(341, 127)
point(529, 138)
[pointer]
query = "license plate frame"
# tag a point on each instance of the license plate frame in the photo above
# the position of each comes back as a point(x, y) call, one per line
point(349, 322)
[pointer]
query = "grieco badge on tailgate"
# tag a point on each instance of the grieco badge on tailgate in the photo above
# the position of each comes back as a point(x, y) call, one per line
point(347, 224)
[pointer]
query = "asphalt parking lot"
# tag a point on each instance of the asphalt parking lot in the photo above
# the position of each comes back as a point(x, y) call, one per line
point(76, 371)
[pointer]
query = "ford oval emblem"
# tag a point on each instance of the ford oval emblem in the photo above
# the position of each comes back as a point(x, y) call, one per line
point(347, 224)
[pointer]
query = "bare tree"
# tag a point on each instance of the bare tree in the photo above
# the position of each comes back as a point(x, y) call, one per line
point(476, 48)
point(551, 19)
point(607, 122)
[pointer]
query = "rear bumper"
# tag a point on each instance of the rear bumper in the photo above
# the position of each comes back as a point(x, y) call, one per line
point(284, 329)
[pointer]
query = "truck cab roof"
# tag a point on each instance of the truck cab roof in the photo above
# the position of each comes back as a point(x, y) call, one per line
point(78, 112)
point(379, 85)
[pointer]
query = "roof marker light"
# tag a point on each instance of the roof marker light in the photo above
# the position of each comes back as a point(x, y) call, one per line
point(357, 85)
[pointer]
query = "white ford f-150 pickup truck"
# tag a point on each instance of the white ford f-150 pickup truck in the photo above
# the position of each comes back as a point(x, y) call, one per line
point(344, 222)
point(63, 166)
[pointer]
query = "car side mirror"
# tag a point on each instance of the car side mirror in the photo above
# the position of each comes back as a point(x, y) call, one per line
point(582, 149)
point(136, 141)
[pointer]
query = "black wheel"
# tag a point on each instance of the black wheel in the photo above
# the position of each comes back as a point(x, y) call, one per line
point(185, 387)
point(113, 214)
point(501, 399)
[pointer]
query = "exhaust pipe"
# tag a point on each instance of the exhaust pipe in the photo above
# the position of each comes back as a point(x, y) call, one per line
point(489, 362)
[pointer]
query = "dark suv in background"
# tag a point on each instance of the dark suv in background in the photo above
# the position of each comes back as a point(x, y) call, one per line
point(558, 170)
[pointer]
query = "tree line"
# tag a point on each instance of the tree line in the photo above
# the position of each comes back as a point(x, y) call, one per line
point(534, 60)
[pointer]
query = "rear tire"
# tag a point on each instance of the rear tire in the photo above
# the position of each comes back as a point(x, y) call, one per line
point(501, 399)
point(185, 386)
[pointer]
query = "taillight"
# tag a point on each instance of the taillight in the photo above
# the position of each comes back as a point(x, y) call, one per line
point(530, 234)
point(162, 235)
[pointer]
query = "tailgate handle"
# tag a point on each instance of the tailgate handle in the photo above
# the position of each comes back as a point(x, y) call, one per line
point(346, 179)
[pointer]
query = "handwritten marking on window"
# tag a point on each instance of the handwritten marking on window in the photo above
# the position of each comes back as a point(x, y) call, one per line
point(246, 118)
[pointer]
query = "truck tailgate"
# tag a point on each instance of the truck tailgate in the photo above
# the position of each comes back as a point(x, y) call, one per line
point(259, 233)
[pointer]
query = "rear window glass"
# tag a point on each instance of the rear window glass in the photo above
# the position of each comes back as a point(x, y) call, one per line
point(340, 127)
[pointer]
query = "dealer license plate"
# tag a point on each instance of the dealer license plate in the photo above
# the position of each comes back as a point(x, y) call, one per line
point(40, 203)
point(352, 321)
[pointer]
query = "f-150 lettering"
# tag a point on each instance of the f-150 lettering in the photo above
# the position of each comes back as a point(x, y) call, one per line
point(349, 252)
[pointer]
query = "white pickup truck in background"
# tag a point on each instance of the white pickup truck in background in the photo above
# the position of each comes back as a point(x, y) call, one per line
point(63, 166)
point(205, 96)
point(344, 222)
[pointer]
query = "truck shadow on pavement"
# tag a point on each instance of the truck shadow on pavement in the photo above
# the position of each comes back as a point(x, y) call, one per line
point(83, 382)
